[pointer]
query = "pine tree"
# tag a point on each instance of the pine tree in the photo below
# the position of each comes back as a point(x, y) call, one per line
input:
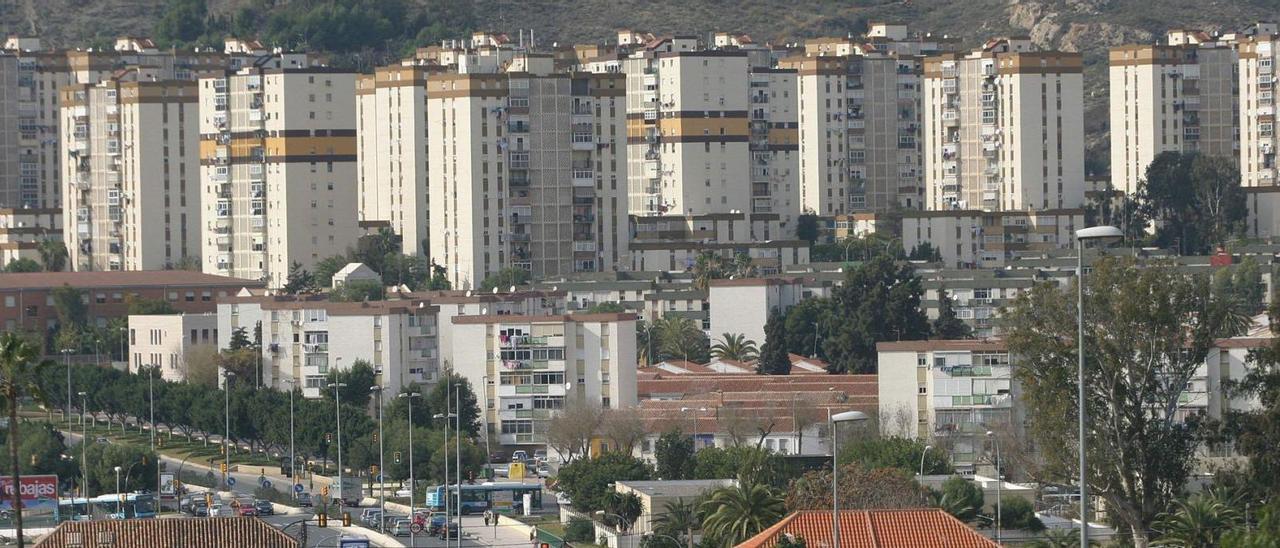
point(948, 326)
point(773, 355)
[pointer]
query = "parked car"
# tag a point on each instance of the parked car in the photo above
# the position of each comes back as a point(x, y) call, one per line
point(497, 457)
point(200, 509)
point(304, 500)
point(449, 532)
point(265, 508)
point(563, 499)
point(247, 510)
point(519, 455)
point(401, 527)
point(435, 521)
point(540, 456)
point(369, 516)
point(389, 521)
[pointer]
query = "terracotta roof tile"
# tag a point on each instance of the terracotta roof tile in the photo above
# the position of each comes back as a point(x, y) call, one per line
point(237, 532)
point(908, 528)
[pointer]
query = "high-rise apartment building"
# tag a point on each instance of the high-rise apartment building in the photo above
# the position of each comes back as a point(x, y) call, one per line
point(277, 168)
point(391, 134)
point(32, 149)
point(1004, 129)
point(528, 170)
point(1258, 51)
point(1176, 97)
point(130, 177)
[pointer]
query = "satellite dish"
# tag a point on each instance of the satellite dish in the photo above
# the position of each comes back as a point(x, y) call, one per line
point(468, 292)
point(568, 386)
point(513, 289)
point(495, 291)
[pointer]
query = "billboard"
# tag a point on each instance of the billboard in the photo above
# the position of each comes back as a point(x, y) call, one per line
point(168, 489)
point(39, 496)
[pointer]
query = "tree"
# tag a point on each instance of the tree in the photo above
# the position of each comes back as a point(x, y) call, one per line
point(807, 227)
point(879, 301)
point(358, 291)
point(606, 308)
point(322, 275)
point(69, 304)
point(734, 514)
point(747, 464)
point(444, 389)
point(243, 363)
point(961, 498)
point(624, 428)
point(860, 489)
point(678, 518)
point(773, 358)
point(239, 339)
point(439, 279)
point(181, 23)
point(200, 365)
point(901, 453)
point(1147, 330)
point(357, 378)
point(1199, 520)
point(1018, 513)
point(626, 508)
point(674, 455)
point(23, 264)
point(948, 325)
point(53, 255)
point(299, 280)
point(806, 326)
point(143, 306)
point(734, 346)
point(925, 252)
point(505, 278)
point(1266, 534)
point(20, 367)
point(1197, 199)
point(586, 481)
point(570, 431)
point(677, 337)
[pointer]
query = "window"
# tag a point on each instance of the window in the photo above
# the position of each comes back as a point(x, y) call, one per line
point(524, 426)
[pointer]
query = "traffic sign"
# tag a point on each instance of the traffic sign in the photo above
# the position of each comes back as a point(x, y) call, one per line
point(379, 478)
point(298, 488)
point(266, 484)
point(231, 482)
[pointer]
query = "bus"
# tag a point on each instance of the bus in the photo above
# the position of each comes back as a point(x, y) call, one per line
point(499, 496)
point(73, 509)
point(124, 505)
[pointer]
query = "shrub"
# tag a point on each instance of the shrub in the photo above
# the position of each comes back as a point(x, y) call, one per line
point(579, 530)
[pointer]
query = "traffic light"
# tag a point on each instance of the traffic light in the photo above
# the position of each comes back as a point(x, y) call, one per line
point(396, 456)
point(208, 500)
point(324, 491)
point(328, 438)
point(346, 519)
point(223, 466)
point(322, 519)
point(373, 469)
point(375, 437)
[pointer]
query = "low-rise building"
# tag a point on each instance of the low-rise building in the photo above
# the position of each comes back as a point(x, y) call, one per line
point(27, 303)
point(674, 242)
point(22, 231)
point(743, 306)
point(528, 366)
point(656, 495)
point(990, 239)
point(164, 340)
point(873, 529)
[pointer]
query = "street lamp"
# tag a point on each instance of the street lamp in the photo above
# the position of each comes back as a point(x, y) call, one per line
point(694, 420)
point(293, 455)
point(1103, 235)
point(151, 404)
point(337, 409)
point(448, 499)
point(84, 442)
point(408, 396)
point(382, 497)
point(484, 393)
point(66, 360)
point(118, 508)
point(226, 416)
point(999, 481)
point(124, 356)
point(922, 455)
point(835, 420)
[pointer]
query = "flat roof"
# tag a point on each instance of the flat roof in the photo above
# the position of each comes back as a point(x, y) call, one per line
point(119, 279)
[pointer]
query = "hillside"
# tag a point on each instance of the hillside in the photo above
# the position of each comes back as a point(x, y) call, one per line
point(366, 26)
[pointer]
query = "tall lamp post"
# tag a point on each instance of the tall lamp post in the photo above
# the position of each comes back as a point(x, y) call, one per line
point(1102, 235)
point(999, 483)
point(84, 443)
point(337, 409)
point(922, 455)
point(293, 455)
point(408, 396)
point(448, 498)
point(835, 420)
point(694, 420)
point(382, 497)
point(226, 416)
point(151, 405)
point(66, 360)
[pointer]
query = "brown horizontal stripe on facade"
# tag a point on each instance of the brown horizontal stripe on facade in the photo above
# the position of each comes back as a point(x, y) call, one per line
point(703, 114)
point(705, 127)
point(783, 148)
point(705, 139)
point(607, 92)
point(306, 146)
point(308, 158)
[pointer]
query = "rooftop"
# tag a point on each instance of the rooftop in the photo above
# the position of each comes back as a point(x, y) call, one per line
point(119, 279)
point(235, 532)
point(908, 528)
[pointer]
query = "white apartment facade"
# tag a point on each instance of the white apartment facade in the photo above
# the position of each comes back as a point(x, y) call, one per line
point(674, 242)
point(536, 172)
point(743, 306)
point(985, 239)
point(392, 158)
point(304, 340)
point(130, 174)
point(23, 230)
point(163, 341)
point(1003, 129)
point(277, 168)
point(1258, 140)
point(1170, 98)
point(529, 366)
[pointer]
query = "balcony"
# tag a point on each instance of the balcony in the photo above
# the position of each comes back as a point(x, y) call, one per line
point(315, 348)
point(583, 141)
point(584, 178)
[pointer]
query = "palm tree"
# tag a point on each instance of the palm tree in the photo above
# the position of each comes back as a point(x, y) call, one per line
point(735, 346)
point(735, 514)
point(678, 519)
point(1058, 538)
point(1199, 520)
point(19, 370)
point(627, 508)
point(707, 267)
point(679, 337)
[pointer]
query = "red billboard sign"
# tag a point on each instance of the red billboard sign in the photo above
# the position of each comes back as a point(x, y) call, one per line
point(31, 488)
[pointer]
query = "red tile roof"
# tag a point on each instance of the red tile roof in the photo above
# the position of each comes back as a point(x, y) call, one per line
point(121, 279)
point(239, 532)
point(910, 528)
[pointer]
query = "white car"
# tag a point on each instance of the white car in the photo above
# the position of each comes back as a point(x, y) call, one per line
point(402, 493)
point(563, 499)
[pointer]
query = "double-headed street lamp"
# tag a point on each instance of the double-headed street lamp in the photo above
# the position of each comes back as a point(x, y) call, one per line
point(293, 455)
point(66, 360)
point(1101, 235)
point(226, 416)
point(408, 396)
point(835, 420)
point(694, 419)
point(382, 496)
point(999, 483)
point(84, 441)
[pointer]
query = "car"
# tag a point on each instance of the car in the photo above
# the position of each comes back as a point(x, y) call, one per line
point(247, 510)
point(563, 499)
point(265, 508)
point(389, 521)
point(435, 521)
point(369, 516)
point(543, 470)
point(304, 500)
point(502, 470)
point(540, 455)
point(402, 493)
point(449, 532)
point(400, 527)
point(497, 457)
point(519, 456)
point(200, 509)
point(103, 440)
